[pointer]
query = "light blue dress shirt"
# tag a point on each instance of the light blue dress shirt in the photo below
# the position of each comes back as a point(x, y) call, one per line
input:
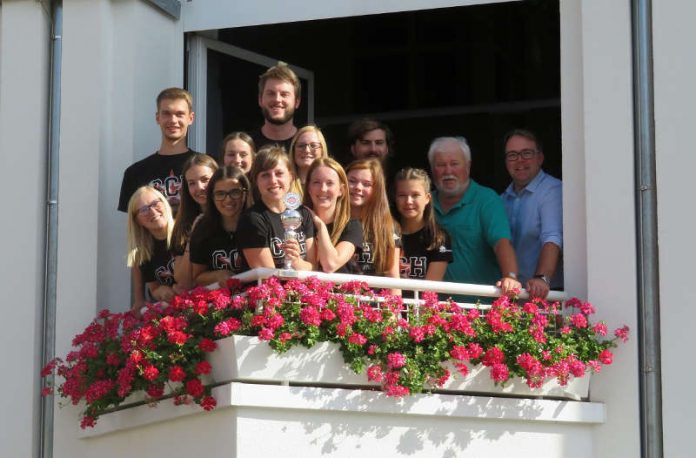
point(536, 217)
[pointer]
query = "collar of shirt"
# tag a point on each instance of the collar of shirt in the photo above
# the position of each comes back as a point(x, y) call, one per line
point(531, 186)
point(467, 198)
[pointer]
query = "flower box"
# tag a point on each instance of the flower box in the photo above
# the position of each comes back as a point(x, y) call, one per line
point(243, 358)
point(479, 381)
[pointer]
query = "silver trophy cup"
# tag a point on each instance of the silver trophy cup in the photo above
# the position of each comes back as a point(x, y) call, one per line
point(291, 219)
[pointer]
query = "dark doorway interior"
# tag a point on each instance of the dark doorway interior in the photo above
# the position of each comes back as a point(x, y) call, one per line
point(475, 71)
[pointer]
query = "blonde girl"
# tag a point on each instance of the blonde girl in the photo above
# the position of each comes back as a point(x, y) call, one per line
point(150, 227)
point(337, 235)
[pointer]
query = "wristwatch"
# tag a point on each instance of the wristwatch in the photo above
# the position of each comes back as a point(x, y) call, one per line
point(512, 275)
point(543, 277)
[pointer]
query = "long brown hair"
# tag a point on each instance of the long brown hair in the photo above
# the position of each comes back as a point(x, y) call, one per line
point(188, 208)
point(375, 216)
point(433, 231)
point(342, 212)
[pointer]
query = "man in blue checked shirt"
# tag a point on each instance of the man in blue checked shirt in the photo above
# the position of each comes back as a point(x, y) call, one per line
point(534, 205)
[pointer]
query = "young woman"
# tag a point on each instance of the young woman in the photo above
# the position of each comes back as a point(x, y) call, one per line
point(425, 246)
point(307, 145)
point(337, 235)
point(150, 227)
point(379, 254)
point(260, 232)
point(238, 150)
point(197, 172)
point(214, 251)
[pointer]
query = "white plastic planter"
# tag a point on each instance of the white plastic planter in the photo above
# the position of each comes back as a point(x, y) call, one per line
point(248, 359)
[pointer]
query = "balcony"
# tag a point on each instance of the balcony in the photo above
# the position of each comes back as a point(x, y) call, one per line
point(307, 403)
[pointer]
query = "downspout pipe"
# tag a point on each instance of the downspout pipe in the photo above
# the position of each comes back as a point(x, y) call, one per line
point(646, 225)
point(48, 318)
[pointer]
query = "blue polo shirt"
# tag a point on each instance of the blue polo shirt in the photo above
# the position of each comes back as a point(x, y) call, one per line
point(536, 217)
point(476, 223)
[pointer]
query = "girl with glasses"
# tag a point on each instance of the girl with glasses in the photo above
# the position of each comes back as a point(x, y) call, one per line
point(150, 227)
point(197, 172)
point(261, 234)
point(379, 254)
point(337, 235)
point(426, 248)
point(215, 252)
point(307, 145)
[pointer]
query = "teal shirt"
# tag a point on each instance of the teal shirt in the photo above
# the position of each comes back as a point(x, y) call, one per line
point(476, 223)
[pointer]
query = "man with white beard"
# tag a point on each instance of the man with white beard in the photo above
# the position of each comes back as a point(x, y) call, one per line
point(474, 217)
point(279, 96)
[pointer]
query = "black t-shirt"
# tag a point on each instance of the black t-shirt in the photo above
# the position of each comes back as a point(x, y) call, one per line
point(217, 251)
point(352, 233)
point(260, 140)
point(364, 259)
point(414, 252)
point(259, 227)
point(163, 172)
point(160, 267)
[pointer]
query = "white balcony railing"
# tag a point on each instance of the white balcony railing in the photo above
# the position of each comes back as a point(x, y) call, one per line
point(417, 286)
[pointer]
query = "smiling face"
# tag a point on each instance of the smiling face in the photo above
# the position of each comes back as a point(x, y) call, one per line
point(174, 118)
point(238, 154)
point(371, 145)
point(324, 188)
point(360, 186)
point(411, 199)
point(450, 169)
point(229, 201)
point(197, 178)
point(150, 213)
point(308, 147)
point(522, 170)
point(274, 183)
point(278, 101)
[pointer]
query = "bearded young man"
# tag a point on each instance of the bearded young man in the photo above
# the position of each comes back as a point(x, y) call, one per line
point(279, 96)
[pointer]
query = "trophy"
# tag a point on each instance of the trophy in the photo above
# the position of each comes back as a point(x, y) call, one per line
point(291, 219)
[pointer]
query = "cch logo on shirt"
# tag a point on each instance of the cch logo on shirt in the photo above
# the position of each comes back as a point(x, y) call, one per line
point(165, 274)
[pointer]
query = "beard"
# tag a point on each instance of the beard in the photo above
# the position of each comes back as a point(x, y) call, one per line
point(452, 191)
point(289, 113)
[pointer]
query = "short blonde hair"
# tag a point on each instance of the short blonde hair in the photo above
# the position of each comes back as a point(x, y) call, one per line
point(140, 240)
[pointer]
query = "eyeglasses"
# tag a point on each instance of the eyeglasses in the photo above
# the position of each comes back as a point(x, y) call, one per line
point(234, 194)
point(145, 209)
point(512, 156)
point(313, 146)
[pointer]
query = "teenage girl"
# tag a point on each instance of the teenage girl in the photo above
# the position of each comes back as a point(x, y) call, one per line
point(379, 254)
point(238, 150)
point(260, 232)
point(307, 145)
point(197, 172)
point(214, 251)
point(150, 227)
point(425, 246)
point(337, 235)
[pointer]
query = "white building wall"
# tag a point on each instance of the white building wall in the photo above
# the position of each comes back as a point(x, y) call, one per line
point(117, 56)
point(597, 123)
point(24, 51)
point(675, 99)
